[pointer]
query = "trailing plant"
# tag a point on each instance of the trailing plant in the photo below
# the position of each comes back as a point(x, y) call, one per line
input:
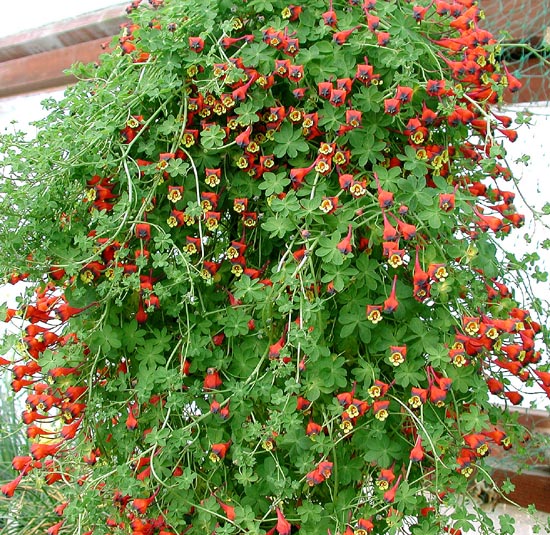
point(265, 294)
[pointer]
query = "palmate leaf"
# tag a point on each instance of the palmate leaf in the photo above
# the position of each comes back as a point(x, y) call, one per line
point(289, 142)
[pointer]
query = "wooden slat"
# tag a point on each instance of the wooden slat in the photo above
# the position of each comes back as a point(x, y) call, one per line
point(45, 70)
point(87, 27)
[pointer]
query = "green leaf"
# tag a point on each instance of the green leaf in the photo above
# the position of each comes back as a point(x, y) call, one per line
point(212, 137)
point(507, 486)
point(409, 373)
point(278, 226)
point(289, 142)
point(273, 184)
point(380, 449)
point(507, 524)
point(248, 113)
point(235, 322)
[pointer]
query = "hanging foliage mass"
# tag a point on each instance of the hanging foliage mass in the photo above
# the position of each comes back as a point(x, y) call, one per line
point(264, 291)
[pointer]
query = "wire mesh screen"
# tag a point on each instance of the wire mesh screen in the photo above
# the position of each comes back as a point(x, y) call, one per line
point(524, 26)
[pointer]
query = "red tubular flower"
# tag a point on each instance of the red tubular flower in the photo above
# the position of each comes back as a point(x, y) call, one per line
point(512, 135)
point(379, 389)
point(299, 92)
point(419, 13)
point(302, 404)
point(374, 313)
point(298, 174)
point(9, 488)
point(398, 354)
point(345, 181)
point(143, 231)
point(385, 479)
point(131, 420)
point(364, 524)
point(446, 201)
point(373, 22)
point(219, 451)
point(209, 269)
point(22, 463)
point(329, 205)
point(330, 18)
point(39, 451)
point(437, 395)
point(406, 230)
point(228, 510)
point(353, 118)
point(435, 88)
point(243, 139)
point(283, 527)
point(224, 412)
point(391, 303)
point(418, 396)
point(496, 387)
point(478, 443)
point(54, 530)
point(34, 431)
point(68, 431)
point(513, 83)
point(296, 73)
point(141, 504)
point(420, 277)
point(196, 44)
point(295, 12)
point(213, 176)
point(380, 409)
point(282, 67)
point(337, 97)
point(383, 38)
point(325, 468)
point(346, 85)
point(417, 453)
point(390, 233)
point(385, 198)
point(324, 89)
point(392, 106)
point(341, 37)
point(514, 397)
point(212, 379)
point(59, 509)
point(365, 73)
point(389, 495)
point(276, 348)
point(314, 478)
point(344, 246)
point(313, 428)
point(403, 94)
point(498, 437)
point(543, 376)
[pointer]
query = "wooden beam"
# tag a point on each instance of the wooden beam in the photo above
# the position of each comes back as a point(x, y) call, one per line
point(45, 70)
point(88, 27)
point(36, 59)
